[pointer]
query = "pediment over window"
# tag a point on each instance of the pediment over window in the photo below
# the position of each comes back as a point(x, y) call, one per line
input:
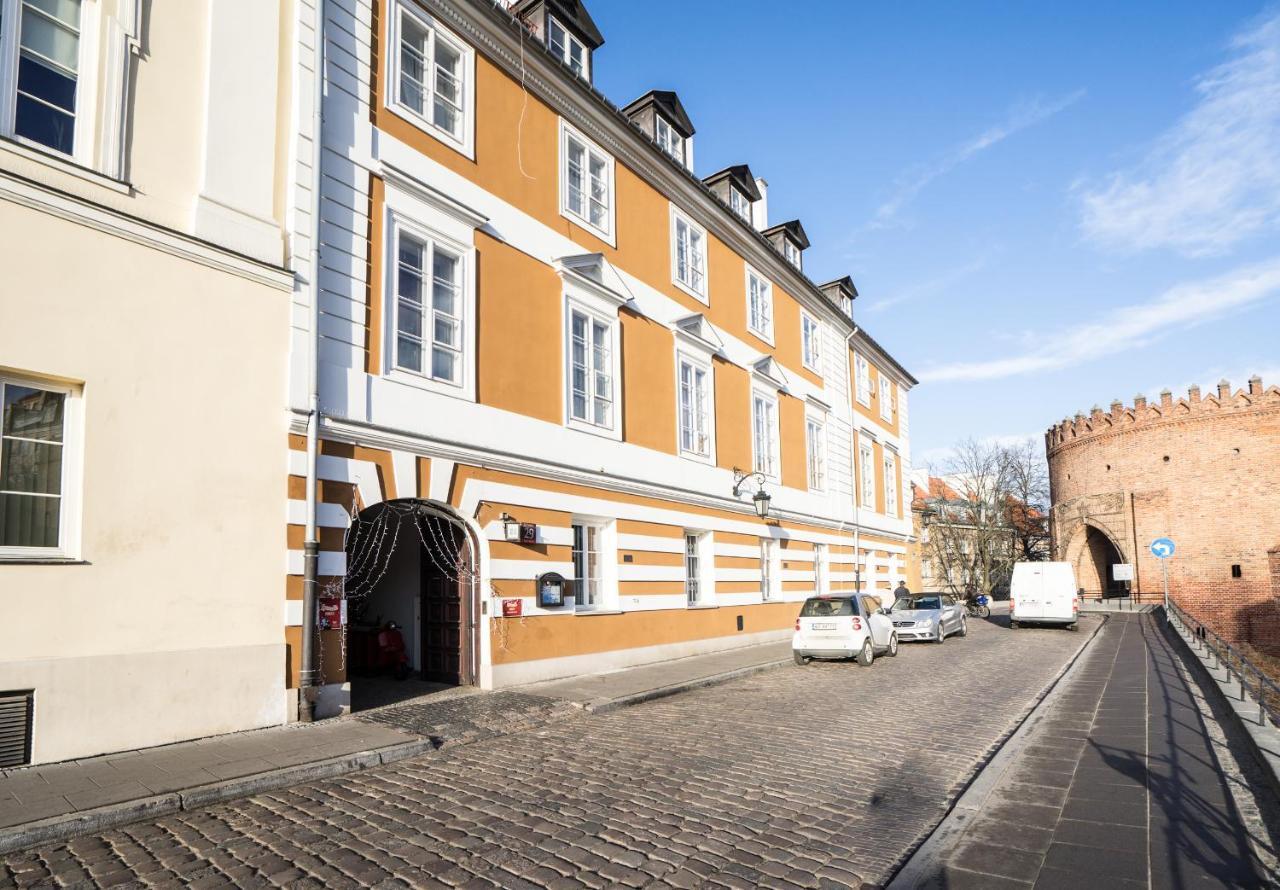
point(591, 274)
point(699, 331)
point(768, 369)
point(817, 403)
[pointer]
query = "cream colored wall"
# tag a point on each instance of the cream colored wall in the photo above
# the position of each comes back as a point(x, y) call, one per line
point(171, 627)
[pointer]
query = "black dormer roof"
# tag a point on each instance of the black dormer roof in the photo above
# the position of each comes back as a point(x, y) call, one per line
point(669, 105)
point(842, 287)
point(740, 176)
point(794, 231)
point(570, 13)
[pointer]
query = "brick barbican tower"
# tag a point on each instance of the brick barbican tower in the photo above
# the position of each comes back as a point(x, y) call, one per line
point(1204, 471)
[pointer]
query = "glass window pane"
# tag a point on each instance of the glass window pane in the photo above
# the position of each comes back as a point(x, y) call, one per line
point(32, 413)
point(447, 58)
point(446, 331)
point(409, 285)
point(42, 81)
point(445, 116)
point(30, 466)
point(443, 364)
point(45, 125)
point(50, 39)
point(409, 353)
point(409, 319)
point(29, 521)
point(67, 11)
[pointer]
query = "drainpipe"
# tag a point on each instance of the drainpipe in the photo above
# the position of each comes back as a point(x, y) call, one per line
point(850, 383)
point(307, 678)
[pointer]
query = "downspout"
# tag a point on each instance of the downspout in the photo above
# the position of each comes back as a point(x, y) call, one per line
point(307, 676)
point(850, 383)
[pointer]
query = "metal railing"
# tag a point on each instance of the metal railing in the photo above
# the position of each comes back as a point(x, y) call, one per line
point(1265, 690)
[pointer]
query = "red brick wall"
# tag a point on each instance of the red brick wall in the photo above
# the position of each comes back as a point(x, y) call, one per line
point(1204, 471)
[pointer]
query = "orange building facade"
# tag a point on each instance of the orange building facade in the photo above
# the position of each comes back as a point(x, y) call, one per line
point(547, 354)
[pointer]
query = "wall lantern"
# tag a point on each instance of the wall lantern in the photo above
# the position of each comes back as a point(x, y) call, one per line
point(759, 500)
point(510, 528)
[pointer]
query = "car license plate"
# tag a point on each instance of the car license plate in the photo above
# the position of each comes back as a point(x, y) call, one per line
point(823, 625)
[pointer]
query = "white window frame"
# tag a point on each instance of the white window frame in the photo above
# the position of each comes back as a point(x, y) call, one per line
point(821, 569)
point(464, 141)
point(792, 253)
point(699, 363)
point(811, 333)
point(413, 211)
point(84, 148)
point(765, 290)
point(699, 569)
point(862, 373)
point(740, 204)
point(890, 483)
point(670, 141)
point(607, 554)
point(606, 232)
point(569, 40)
point(770, 570)
point(70, 485)
point(886, 398)
point(815, 435)
point(866, 474)
point(572, 304)
point(846, 304)
point(690, 286)
point(772, 467)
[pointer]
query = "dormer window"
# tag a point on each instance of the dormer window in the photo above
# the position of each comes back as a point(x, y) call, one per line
point(571, 50)
point(668, 139)
point(739, 204)
point(842, 293)
point(792, 253)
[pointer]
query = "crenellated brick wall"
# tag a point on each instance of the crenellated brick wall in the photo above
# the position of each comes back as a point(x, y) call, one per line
point(1203, 470)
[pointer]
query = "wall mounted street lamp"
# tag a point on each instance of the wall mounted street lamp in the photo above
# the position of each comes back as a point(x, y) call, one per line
point(759, 500)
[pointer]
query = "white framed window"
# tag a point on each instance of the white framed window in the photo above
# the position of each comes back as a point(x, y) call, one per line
point(570, 50)
point(595, 569)
point(46, 75)
point(592, 369)
point(862, 370)
point(816, 452)
point(739, 204)
point(688, 255)
point(867, 474)
point(695, 407)
point(668, 139)
point(822, 569)
point(39, 469)
point(586, 183)
point(886, 398)
point(429, 293)
point(699, 579)
point(890, 484)
point(791, 252)
point(770, 569)
point(846, 306)
point(432, 77)
point(811, 342)
point(764, 433)
point(759, 305)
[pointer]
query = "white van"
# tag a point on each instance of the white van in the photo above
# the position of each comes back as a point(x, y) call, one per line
point(1043, 593)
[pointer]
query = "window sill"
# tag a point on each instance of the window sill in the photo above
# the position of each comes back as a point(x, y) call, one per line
point(597, 611)
point(45, 561)
point(462, 146)
point(692, 606)
point(701, 298)
point(63, 164)
point(762, 337)
point(604, 235)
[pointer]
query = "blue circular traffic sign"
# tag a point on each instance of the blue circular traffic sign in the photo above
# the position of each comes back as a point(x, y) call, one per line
point(1162, 547)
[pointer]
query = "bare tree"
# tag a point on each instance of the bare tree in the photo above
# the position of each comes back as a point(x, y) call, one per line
point(1027, 475)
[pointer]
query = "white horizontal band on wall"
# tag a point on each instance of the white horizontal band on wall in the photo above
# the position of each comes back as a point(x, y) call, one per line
point(327, 515)
point(651, 543)
point(552, 535)
point(292, 613)
point(631, 572)
point(329, 563)
point(527, 569)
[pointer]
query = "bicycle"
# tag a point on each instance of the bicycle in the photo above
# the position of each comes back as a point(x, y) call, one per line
point(977, 607)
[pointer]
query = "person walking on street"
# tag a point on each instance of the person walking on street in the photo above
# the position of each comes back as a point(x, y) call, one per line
point(901, 590)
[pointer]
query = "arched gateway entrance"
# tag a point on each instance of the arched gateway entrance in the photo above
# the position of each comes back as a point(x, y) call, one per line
point(1095, 564)
point(410, 563)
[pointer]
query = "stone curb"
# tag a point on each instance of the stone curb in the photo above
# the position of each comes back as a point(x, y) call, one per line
point(65, 827)
point(923, 860)
point(1264, 740)
point(605, 705)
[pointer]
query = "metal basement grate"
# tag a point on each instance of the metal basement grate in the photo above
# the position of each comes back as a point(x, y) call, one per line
point(15, 728)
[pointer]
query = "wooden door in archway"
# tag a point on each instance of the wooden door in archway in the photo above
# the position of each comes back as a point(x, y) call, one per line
point(446, 596)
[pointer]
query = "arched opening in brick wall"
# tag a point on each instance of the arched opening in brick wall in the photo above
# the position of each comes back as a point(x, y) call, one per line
point(1094, 555)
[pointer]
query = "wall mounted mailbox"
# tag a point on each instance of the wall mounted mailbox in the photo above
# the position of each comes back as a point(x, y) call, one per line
point(550, 590)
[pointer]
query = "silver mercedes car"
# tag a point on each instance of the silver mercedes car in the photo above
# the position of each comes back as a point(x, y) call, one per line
point(928, 616)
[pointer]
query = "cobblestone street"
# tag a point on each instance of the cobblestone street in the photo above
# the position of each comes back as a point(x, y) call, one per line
point(823, 776)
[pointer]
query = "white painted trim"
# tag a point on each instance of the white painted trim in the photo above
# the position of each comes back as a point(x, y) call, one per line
point(765, 336)
point(699, 360)
point(527, 569)
point(677, 214)
point(331, 562)
point(441, 479)
point(574, 302)
point(608, 234)
point(650, 543)
point(404, 467)
point(463, 144)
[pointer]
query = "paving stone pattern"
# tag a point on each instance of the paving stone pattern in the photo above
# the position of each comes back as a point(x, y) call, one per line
point(821, 776)
point(472, 718)
point(1121, 785)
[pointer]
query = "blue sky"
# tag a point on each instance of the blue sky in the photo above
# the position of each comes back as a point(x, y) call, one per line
point(1044, 206)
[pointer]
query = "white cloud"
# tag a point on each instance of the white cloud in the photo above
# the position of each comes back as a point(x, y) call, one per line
point(913, 182)
point(934, 285)
point(1126, 328)
point(1213, 179)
